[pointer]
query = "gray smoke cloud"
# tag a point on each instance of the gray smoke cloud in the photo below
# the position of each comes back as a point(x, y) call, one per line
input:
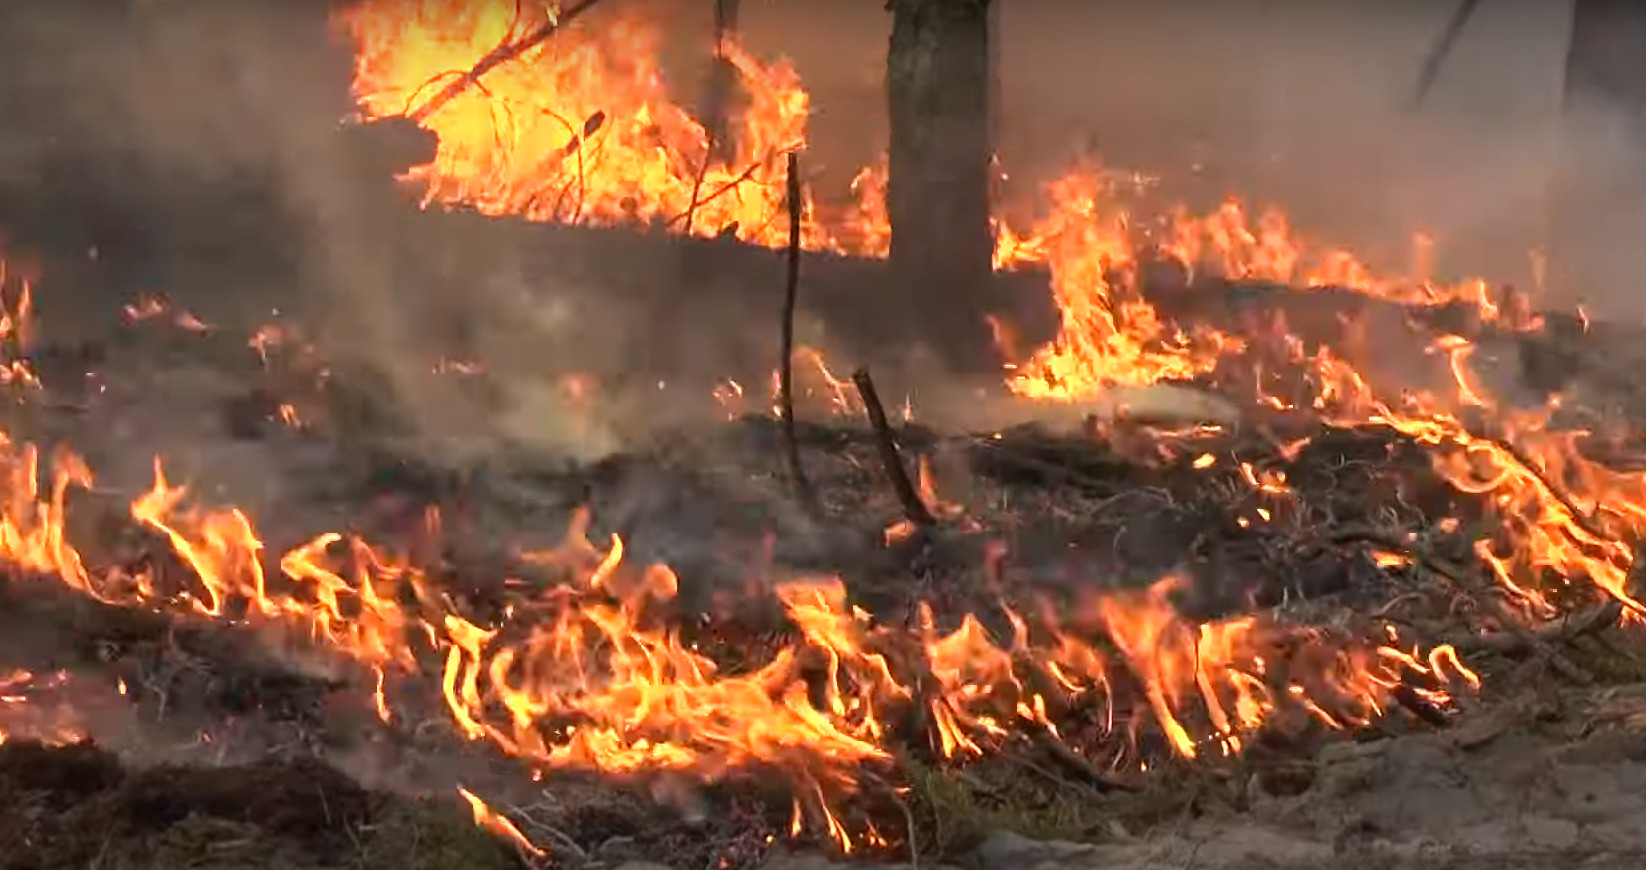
point(1303, 104)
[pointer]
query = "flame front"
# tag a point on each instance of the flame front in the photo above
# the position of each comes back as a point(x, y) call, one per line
point(586, 670)
point(580, 128)
point(588, 673)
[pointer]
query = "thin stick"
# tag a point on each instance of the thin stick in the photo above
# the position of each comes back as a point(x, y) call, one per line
point(498, 56)
point(914, 510)
point(715, 194)
point(785, 372)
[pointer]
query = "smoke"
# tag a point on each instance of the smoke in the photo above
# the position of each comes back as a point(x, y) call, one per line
point(1302, 104)
point(1307, 105)
point(200, 150)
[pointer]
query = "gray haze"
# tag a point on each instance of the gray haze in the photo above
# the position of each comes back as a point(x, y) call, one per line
point(1303, 103)
point(1306, 103)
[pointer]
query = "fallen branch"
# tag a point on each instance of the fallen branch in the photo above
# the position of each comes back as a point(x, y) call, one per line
point(785, 378)
point(1078, 765)
point(1590, 620)
point(498, 56)
point(914, 510)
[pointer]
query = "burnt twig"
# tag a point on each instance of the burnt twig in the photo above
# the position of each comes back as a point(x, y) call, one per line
point(1419, 706)
point(914, 510)
point(498, 56)
point(696, 203)
point(1078, 765)
point(785, 377)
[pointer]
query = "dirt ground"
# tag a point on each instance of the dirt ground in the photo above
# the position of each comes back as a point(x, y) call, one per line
point(1549, 778)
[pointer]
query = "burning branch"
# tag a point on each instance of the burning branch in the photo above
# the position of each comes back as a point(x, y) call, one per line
point(498, 56)
point(1569, 627)
point(914, 510)
point(691, 210)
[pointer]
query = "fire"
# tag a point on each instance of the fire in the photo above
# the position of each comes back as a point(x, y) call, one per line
point(1564, 518)
point(499, 825)
point(28, 709)
point(153, 307)
point(16, 327)
point(590, 673)
point(1105, 338)
point(815, 382)
point(580, 128)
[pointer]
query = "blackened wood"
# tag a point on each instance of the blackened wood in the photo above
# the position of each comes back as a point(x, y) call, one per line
point(791, 292)
point(891, 459)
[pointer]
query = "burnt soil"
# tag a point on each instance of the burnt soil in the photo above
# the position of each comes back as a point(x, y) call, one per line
point(78, 806)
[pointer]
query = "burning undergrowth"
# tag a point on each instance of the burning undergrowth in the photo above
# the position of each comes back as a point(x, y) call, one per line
point(828, 692)
point(1125, 604)
point(583, 660)
point(1184, 550)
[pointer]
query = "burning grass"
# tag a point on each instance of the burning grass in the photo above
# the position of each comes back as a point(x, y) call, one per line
point(584, 666)
point(1327, 552)
point(1322, 570)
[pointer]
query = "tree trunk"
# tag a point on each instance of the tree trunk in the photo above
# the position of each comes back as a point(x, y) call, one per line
point(1606, 63)
point(722, 91)
point(1600, 198)
point(938, 92)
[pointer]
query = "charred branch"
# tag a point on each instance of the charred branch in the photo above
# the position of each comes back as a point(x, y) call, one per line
point(914, 509)
point(791, 292)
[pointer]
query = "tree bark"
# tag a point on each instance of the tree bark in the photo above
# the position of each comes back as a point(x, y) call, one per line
point(1600, 197)
point(938, 91)
point(722, 91)
point(1606, 62)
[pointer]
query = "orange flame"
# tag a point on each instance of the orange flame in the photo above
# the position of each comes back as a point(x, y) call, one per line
point(589, 673)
